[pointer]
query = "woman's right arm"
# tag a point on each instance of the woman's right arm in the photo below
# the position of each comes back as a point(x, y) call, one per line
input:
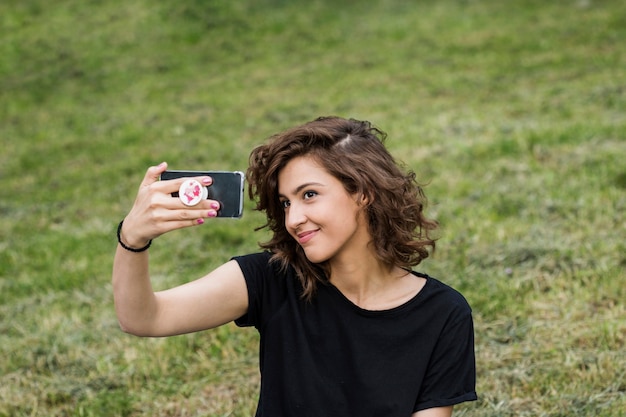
point(215, 299)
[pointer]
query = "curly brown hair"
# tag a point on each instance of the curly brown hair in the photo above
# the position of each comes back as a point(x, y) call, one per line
point(353, 151)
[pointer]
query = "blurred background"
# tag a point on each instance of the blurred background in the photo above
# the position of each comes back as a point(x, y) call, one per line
point(513, 113)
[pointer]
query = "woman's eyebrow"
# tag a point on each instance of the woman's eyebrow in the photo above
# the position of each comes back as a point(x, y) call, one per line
point(302, 187)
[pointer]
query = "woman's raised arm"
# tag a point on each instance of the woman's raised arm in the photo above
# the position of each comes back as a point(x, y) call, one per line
point(215, 299)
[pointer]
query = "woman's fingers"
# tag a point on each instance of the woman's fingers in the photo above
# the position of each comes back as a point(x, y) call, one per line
point(168, 193)
point(153, 174)
point(173, 186)
point(184, 216)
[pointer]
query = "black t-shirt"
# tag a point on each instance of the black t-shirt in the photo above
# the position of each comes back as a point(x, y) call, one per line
point(329, 357)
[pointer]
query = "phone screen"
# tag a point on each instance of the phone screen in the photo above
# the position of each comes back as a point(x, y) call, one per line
point(227, 188)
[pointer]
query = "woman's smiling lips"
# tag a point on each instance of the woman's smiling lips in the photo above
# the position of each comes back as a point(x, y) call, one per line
point(304, 237)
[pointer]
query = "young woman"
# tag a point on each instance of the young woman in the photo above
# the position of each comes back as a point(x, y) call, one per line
point(347, 328)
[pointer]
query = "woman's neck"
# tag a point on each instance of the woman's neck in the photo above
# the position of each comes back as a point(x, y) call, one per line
point(373, 285)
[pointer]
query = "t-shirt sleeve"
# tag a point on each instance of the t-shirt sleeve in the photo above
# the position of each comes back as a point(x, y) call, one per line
point(255, 268)
point(451, 375)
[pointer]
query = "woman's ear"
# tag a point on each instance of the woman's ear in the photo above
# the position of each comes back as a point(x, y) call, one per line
point(364, 200)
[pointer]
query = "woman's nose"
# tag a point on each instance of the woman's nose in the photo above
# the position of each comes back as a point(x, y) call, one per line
point(294, 216)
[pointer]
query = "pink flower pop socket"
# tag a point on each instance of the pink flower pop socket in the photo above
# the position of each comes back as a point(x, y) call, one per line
point(191, 192)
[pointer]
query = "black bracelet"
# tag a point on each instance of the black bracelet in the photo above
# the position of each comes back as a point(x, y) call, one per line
point(122, 244)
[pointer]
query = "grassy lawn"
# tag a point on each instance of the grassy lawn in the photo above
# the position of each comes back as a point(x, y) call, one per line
point(513, 112)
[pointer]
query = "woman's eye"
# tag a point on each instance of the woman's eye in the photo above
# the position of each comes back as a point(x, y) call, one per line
point(285, 203)
point(309, 194)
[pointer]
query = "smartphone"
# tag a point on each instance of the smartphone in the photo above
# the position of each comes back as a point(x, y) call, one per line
point(227, 188)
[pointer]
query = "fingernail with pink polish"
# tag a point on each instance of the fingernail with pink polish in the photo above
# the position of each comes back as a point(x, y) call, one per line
point(215, 206)
point(200, 221)
point(212, 213)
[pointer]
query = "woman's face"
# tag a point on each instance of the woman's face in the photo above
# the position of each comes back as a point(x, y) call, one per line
point(327, 221)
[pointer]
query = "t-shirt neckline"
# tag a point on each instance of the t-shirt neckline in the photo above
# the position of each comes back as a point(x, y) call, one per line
point(385, 312)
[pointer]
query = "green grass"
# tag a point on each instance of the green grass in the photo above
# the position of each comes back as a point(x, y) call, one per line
point(513, 112)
